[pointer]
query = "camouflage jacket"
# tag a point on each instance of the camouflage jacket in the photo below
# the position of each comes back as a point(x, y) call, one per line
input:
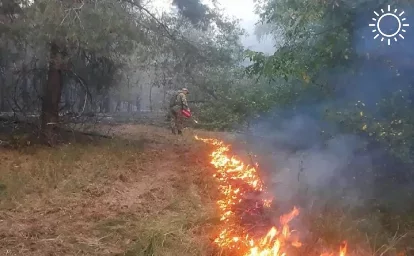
point(179, 99)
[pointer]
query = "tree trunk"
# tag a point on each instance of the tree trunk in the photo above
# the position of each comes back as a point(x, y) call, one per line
point(150, 98)
point(51, 95)
point(2, 95)
point(107, 104)
point(25, 92)
point(164, 100)
point(81, 102)
point(138, 103)
point(129, 107)
point(67, 98)
point(118, 106)
point(35, 83)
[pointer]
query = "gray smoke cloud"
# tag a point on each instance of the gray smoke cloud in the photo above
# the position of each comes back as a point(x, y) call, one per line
point(302, 168)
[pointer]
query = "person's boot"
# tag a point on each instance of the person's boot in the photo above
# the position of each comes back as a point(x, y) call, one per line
point(173, 131)
point(180, 133)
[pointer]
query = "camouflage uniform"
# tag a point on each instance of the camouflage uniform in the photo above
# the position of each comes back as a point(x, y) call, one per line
point(178, 103)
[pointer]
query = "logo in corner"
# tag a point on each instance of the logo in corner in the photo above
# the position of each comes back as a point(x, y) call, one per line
point(380, 33)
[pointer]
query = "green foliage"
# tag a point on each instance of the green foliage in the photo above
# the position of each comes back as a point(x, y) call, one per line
point(392, 128)
point(318, 36)
point(105, 27)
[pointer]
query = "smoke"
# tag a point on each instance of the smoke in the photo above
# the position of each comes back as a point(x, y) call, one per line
point(305, 166)
point(306, 169)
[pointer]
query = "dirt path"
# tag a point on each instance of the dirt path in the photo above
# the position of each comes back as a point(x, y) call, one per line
point(148, 195)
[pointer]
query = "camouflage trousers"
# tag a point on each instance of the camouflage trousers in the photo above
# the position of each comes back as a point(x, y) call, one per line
point(176, 120)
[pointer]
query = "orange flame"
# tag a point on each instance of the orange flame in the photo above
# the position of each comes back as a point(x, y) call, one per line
point(235, 181)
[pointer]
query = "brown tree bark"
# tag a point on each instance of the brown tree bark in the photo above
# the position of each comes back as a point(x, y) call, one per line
point(52, 91)
point(2, 94)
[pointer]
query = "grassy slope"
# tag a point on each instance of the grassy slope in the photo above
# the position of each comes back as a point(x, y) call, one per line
point(149, 194)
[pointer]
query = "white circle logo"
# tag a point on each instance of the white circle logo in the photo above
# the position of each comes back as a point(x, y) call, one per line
point(377, 24)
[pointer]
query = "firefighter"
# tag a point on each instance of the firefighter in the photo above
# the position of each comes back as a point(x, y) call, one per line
point(178, 102)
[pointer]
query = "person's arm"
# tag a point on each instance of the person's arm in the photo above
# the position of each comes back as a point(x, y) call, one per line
point(184, 102)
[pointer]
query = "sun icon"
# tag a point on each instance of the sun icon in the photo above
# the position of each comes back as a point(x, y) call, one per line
point(400, 21)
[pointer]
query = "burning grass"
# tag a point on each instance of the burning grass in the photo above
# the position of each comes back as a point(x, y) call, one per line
point(246, 229)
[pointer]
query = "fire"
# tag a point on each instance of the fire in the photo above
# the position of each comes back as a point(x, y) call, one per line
point(244, 200)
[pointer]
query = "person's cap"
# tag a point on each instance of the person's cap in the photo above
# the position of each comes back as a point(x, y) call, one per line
point(185, 90)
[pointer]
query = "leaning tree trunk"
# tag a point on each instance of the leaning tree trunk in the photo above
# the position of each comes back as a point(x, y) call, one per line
point(51, 95)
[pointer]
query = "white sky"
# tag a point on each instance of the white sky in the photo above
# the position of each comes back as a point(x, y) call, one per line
point(239, 9)
point(244, 10)
point(232, 7)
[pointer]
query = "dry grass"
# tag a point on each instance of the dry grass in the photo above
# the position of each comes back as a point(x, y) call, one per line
point(365, 235)
point(146, 196)
point(145, 193)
